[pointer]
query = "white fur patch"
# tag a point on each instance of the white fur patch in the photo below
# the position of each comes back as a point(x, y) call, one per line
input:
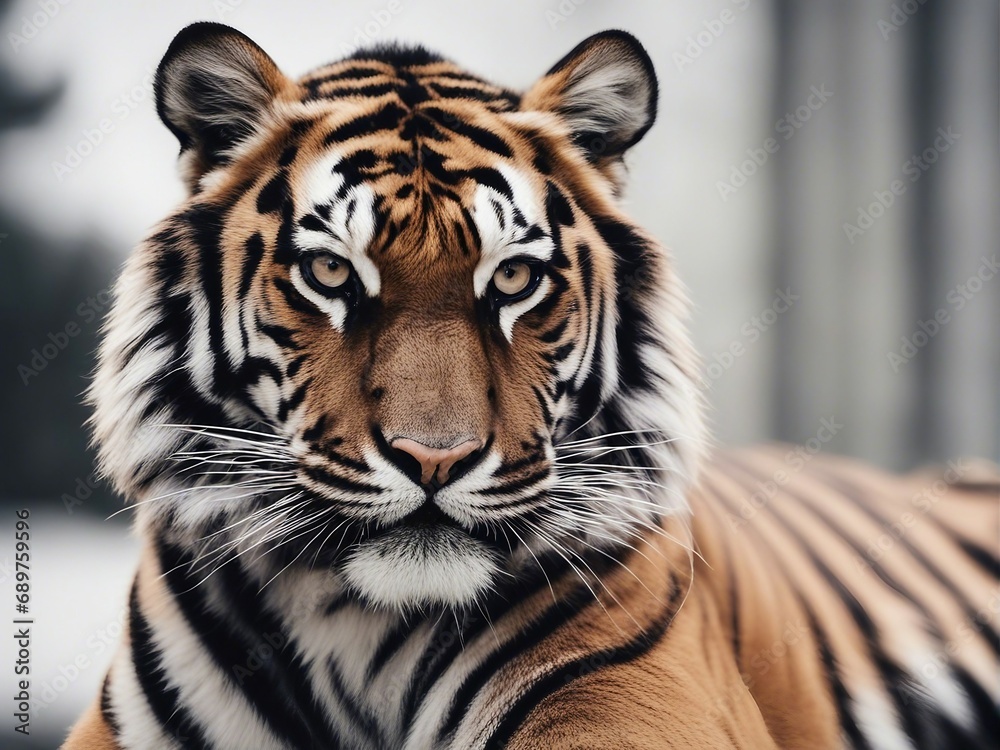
point(408, 567)
point(504, 239)
point(350, 232)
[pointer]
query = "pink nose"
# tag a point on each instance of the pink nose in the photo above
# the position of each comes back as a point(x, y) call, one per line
point(435, 462)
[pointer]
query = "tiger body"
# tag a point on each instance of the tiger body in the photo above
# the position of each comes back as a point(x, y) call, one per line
point(406, 407)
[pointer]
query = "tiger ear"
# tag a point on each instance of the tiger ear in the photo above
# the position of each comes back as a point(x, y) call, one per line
point(213, 89)
point(605, 89)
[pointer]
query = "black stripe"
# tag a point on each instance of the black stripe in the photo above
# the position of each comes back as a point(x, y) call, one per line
point(384, 118)
point(555, 333)
point(632, 272)
point(391, 643)
point(283, 337)
point(492, 178)
point(345, 74)
point(532, 459)
point(295, 300)
point(164, 700)
point(917, 722)
point(108, 710)
point(849, 489)
point(231, 648)
point(517, 484)
point(983, 705)
point(987, 560)
point(312, 223)
point(448, 640)
point(373, 90)
point(165, 332)
point(459, 231)
point(286, 671)
point(560, 353)
point(841, 695)
point(361, 718)
point(206, 224)
point(295, 365)
point(347, 461)
point(542, 404)
point(272, 196)
point(470, 226)
point(288, 155)
point(589, 397)
point(254, 252)
point(290, 404)
point(463, 92)
point(557, 208)
point(564, 675)
point(483, 138)
point(254, 368)
point(457, 75)
point(542, 311)
point(315, 432)
point(321, 475)
point(734, 606)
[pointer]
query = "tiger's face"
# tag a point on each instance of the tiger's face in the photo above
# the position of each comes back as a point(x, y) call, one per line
point(400, 330)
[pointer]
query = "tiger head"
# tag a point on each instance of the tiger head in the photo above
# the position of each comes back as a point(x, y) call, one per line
point(400, 330)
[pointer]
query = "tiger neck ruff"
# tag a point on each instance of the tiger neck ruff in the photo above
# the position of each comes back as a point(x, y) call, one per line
point(410, 422)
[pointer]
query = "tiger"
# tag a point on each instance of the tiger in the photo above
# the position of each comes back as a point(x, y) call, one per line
point(415, 438)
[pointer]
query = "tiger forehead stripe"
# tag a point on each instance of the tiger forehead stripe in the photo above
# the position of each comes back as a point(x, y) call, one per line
point(414, 76)
point(510, 218)
point(338, 217)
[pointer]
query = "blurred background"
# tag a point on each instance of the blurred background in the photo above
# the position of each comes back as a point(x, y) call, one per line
point(826, 173)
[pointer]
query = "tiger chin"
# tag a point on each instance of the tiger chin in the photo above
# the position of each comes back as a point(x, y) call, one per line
point(406, 410)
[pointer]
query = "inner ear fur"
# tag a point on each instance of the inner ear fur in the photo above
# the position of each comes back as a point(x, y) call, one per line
point(214, 88)
point(606, 91)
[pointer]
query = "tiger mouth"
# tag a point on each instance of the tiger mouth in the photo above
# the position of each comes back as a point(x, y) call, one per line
point(431, 523)
point(428, 514)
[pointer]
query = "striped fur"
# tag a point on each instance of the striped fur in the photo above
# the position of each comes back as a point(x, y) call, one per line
point(572, 583)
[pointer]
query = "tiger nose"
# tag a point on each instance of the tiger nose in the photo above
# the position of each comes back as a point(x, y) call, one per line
point(435, 463)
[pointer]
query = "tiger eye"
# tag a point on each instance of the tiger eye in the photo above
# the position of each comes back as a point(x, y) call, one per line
point(329, 270)
point(512, 278)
